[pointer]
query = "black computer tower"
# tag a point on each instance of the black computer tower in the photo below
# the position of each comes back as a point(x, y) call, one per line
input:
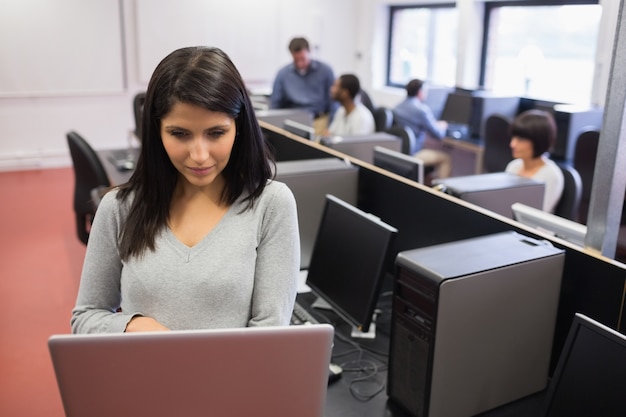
point(472, 324)
point(570, 122)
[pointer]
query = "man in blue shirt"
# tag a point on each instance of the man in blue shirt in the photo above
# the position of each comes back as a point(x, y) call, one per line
point(413, 113)
point(305, 83)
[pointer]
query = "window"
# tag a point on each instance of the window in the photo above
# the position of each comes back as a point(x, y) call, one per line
point(539, 50)
point(422, 44)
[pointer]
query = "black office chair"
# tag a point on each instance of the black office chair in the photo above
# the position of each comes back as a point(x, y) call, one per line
point(383, 118)
point(138, 102)
point(366, 100)
point(89, 174)
point(569, 203)
point(409, 142)
point(497, 153)
point(584, 161)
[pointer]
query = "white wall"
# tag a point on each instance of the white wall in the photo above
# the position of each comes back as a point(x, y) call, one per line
point(254, 32)
point(351, 35)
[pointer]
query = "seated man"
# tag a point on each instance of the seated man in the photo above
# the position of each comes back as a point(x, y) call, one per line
point(413, 113)
point(304, 84)
point(352, 118)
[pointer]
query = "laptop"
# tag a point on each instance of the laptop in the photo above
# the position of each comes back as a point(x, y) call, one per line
point(590, 376)
point(265, 371)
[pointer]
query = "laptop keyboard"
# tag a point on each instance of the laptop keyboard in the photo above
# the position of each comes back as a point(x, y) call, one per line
point(301, 316)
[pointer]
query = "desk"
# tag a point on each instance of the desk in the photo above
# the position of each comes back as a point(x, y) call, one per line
point(340, 402)
point(466, 154)
point(115, 175)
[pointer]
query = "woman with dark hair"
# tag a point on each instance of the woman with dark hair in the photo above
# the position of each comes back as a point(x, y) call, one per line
point(201, 236)
point(533, 133)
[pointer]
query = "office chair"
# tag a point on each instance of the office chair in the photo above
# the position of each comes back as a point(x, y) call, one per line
point(366, 100)
point(138, 102)
point(569, 203)
point(407, 135)
point(89, 174)
point(497, 153)
point(383, 118)
point(585, 152)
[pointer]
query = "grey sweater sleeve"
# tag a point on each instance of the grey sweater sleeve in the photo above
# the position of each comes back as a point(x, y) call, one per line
point(99, 291)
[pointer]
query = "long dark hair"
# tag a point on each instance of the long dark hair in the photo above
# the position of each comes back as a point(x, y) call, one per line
point(204, 77)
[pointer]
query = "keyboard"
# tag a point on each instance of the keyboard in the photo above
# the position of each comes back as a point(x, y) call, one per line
point(300, 315)
point(457, 130)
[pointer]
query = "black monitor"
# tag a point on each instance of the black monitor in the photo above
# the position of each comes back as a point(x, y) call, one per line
point(458, 108)
point(399, 163)
point(299, 129)
point(349, 261)
point(590, 375)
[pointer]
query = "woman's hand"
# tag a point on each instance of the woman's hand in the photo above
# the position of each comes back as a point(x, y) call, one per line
point(144, 324)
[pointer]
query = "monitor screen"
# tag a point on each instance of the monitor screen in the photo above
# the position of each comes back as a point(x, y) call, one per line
point(458, 108)
point(349, 261)
point(590, 375)
point(399, 163)
point(550, 223)
point(299, 129)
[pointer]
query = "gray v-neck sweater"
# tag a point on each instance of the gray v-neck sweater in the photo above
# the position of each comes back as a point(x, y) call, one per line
point(242, 273)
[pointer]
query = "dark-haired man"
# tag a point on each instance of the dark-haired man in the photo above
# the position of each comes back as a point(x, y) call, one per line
point(305, 83)
point(352, 118)
point(413, 113)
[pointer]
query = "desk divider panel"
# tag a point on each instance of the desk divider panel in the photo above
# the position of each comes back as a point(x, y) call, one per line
point(591, 284)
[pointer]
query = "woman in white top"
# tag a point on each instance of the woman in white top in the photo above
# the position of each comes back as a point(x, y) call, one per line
point(533, 133)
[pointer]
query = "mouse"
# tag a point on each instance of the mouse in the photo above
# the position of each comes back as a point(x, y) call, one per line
point(334, 372)
point(127, 165)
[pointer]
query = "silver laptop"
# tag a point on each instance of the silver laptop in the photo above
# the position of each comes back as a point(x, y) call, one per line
point(264, 371)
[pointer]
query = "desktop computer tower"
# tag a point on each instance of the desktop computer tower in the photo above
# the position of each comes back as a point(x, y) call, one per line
point(495, 191)
point(472, 324)
point(310, 180)
point(485, 104)
point(362, 146)
point(570, 122)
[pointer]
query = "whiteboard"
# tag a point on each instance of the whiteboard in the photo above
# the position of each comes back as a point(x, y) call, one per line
point(247, 30)
point(61, 47)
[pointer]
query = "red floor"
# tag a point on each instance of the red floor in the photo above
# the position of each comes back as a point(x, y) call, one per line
point(41, 259)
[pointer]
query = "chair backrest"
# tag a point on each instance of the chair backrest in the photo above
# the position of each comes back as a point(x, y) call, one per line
point(89, 173)
point(366, 100)
point(584, 161)
point(409, 142)
point(497, 143)
point(569, 203)
point(383, 118)
point(138, 102)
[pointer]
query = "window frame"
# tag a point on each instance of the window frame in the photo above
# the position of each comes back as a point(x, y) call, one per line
point(392, 10)
point(492, 5)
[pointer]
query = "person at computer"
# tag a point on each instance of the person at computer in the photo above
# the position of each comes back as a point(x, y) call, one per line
point(415, 114)
point(352, 118)
point(305, 83)
point(201, 236)
point(533, 134)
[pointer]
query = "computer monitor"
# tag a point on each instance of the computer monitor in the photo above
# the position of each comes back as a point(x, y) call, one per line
point(349, 261)
point(458, 108)
point(550, 223)
point(399, 163)
point(590, 375)
point(299, 129)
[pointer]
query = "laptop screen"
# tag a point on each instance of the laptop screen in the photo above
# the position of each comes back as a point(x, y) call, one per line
point(590, 377)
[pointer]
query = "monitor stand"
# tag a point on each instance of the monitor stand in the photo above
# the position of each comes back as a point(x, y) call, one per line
point(322, 304)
